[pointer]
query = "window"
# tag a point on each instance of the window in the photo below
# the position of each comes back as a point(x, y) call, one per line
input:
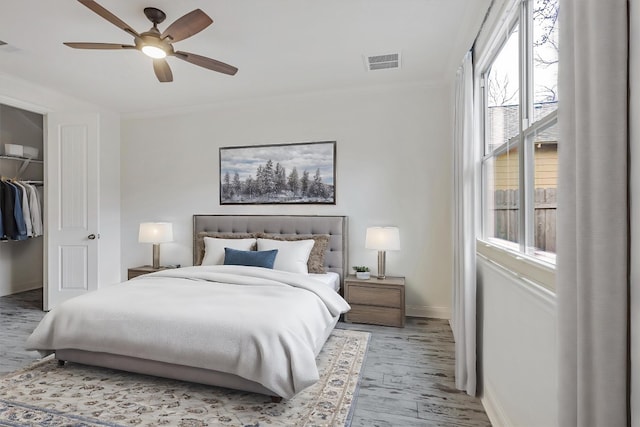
point(520, 161)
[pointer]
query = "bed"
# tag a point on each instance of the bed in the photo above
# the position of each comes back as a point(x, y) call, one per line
point(243, 327)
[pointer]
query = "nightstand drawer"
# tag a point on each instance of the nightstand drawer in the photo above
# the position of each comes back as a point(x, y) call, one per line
point(376, 295)
point(145, 269)
point(375, 315)
point(131, 273)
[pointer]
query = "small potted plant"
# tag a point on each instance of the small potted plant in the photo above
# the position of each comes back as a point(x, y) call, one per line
point(362, 272)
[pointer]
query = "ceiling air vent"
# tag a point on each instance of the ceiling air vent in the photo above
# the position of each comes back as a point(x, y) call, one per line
point(382, 62)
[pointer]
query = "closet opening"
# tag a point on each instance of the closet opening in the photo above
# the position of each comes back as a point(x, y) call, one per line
point(21, 200)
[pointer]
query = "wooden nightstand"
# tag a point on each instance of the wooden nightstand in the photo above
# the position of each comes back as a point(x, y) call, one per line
point(376, 301)
point(145, 269)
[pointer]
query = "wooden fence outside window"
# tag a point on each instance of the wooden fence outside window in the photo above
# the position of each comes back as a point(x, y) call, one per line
point(506, 210)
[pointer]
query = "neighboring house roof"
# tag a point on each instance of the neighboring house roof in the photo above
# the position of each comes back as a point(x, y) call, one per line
point(503, 122)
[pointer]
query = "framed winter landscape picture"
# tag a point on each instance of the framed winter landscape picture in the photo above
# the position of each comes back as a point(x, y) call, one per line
point(278, 174)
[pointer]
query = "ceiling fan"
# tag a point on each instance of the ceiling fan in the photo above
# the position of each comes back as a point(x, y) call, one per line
point(159, 45)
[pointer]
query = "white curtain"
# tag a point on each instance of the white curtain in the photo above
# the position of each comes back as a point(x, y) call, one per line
point(464, 258)
point(592, 269)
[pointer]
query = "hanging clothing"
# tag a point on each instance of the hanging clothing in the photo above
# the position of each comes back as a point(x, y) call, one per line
point(8, 218)
point(20, 210)
point(24, 203)
point(36, 211)
point(17, 212)
point(40, 198)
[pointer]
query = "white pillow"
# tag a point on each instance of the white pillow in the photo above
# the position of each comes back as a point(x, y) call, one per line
point(292, 255)
point(214, 248)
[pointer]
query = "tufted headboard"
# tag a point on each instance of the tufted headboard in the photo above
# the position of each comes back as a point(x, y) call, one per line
point(287, 225)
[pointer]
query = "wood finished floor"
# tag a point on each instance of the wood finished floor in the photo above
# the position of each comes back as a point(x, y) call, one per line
point(407, 380)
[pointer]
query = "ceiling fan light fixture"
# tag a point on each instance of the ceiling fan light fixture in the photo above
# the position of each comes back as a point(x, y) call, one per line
point(153, 51)
point(159, 45)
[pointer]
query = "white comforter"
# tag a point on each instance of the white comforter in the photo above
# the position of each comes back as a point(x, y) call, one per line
point(263, 325)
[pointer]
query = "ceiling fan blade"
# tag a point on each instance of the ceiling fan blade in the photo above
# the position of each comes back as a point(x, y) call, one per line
point(162, 70)
point(109, 16)
point(188, 25)
point(205, 62)
point(99, 45)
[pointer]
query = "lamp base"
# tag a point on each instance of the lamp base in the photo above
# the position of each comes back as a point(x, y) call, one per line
point(156, 256)
point(382, 261)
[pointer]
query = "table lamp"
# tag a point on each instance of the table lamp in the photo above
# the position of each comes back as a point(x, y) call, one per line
point(383, 239)
point(156, 233)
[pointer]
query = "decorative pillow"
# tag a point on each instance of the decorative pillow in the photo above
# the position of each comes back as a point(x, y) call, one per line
point(218, 235)
point(316, 257)
point(214, 248)
point(292, 256)
point(251, 258)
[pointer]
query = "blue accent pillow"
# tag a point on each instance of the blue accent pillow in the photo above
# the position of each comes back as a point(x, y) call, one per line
point(251, 258)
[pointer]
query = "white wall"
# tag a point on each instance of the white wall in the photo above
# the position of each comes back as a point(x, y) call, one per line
point(109, 210)
point(22, 94)
point(517, 349)
point(393, 168)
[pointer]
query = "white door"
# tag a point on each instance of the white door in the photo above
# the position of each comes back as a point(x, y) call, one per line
point(71, 204)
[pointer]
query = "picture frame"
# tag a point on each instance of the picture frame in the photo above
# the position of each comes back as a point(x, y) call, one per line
point(291, 173)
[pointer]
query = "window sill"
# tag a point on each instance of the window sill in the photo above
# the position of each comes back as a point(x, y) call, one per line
point(527, 267)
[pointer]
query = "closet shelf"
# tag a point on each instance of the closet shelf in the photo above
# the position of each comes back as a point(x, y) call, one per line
point(20, 159)
point(25, 162)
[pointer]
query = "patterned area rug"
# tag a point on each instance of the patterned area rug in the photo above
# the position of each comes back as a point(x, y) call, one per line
point(77, 395)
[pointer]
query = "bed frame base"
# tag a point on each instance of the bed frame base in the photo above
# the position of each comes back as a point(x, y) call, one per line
point(174, 371)
point(162, 369)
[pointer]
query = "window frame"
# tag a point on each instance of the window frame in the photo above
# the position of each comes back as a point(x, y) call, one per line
point(520, 16)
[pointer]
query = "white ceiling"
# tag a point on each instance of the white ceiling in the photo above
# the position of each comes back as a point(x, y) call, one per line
point(279, 46)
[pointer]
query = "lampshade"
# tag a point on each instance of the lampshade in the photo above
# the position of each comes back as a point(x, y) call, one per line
point(383, 238)
point(155, 232)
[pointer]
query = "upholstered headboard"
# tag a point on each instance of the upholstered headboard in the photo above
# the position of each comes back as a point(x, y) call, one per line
point(286, 225)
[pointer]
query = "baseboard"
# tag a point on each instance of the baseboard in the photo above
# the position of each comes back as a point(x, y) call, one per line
point(492, 406)
point(23, 287)
point(425, 311)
